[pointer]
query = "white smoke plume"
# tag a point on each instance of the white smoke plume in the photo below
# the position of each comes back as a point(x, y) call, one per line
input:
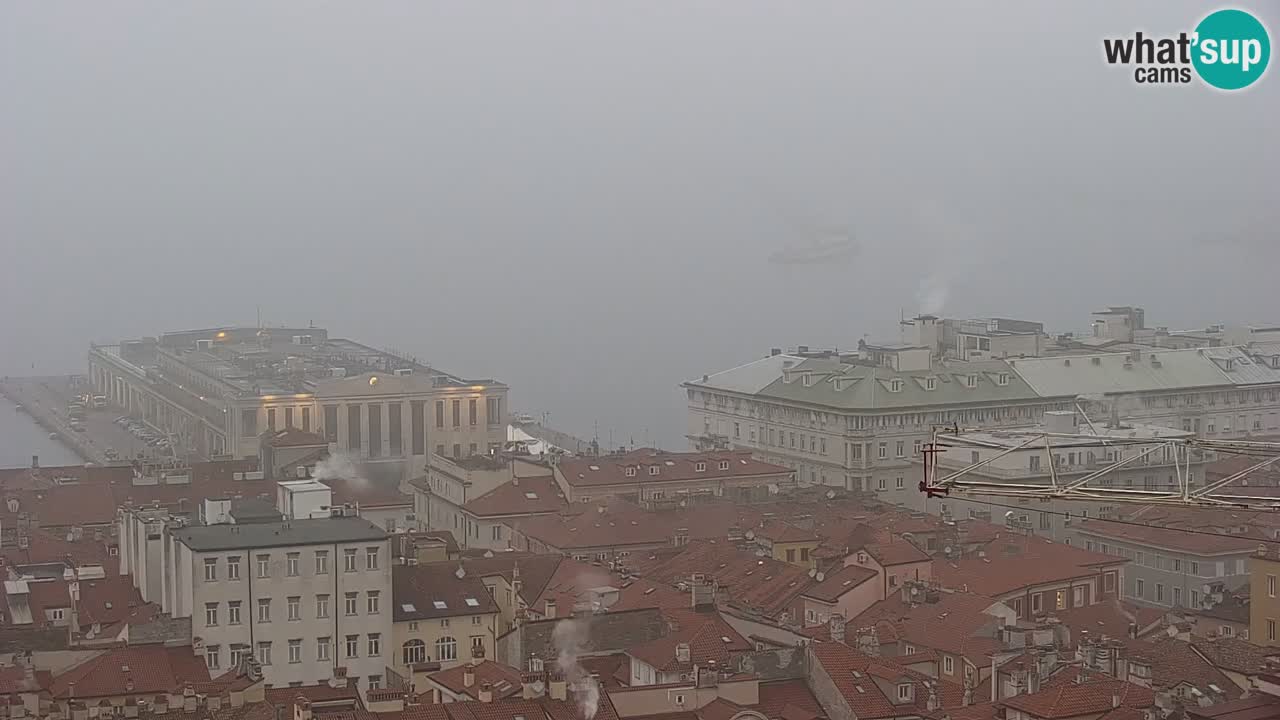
point(952, 249)
point(569, 637)
point(340, 466)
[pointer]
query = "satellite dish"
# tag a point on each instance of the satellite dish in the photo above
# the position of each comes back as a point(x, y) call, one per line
point(751, 535)
point(1008, 515)
point(820, 577)
point(831, 494)
point(460, 573)
point(812, 572)
point(915, 590)
point(947, 550)
point(538, 687)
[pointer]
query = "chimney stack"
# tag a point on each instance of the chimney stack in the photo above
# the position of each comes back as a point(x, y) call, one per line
point(486, 693)
point(682, 652)
point(837, 628)
point(468, 676)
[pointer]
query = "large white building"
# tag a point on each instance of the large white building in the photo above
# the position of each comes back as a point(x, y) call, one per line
point(303, 596)
point(217, 390)
point(858, 419)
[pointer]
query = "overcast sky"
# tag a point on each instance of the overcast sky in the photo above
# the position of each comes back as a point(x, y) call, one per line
point(580, 198)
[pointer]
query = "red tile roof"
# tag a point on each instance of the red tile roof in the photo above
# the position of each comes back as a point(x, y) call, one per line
point(1110, 617)
point(60, 506)
point(895, 551)
point(532, 496)
point(504, 680)
point(783, 532)
point(1015, 562)
point(1168, 538)
point(1174, 662)
point(958, 624)
point(1234, 654)
point(851, 672)
point(608, 470)
point(618, 523)
point(759, 584)
point(710, 639)
point(789, 700)
point(836, 583)
point(47, 547)
point(148, 669)
point(1062, 697)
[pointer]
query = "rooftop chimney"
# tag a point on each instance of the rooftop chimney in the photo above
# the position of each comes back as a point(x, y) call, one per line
point(486, 693)
point(837, 628)
point(682, 652)
point(469, 676)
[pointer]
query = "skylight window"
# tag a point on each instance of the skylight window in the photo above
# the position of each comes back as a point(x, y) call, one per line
point(472, 602)
point(531, 495)
point(440, 605)
point(408, 607)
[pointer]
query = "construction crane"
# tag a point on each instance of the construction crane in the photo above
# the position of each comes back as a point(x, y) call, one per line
point(1096, 484)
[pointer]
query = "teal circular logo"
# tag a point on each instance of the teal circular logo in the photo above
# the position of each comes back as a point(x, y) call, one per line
point(1232, 49)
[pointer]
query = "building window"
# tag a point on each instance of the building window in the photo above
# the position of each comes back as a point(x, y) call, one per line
point(1140, 588)
point(457, 413)
point(1177, 596)
point(271, 419)
point(899, 482)
point(1159, 592)
point(880, 483)
point(322, 562)
point(948, 664)
point(371, 558)
point(306, 419)
point(630, 472)
point(414, 651)
point(1037, 603)
point(211, 655)
point(291, 564)
point(264, 566)
point(884, 451)
point(264, 610)
point(233, 567)
point(264, 653)
point(446, 649)
point(1060, 600)
point(724, 464)
point(322, 606)
point(211, 614)
point(353, 646)
point(210, 569)
point(350, 605)
point(1271, 629)
point(493, 411)
point(375, 644)
point(322, 649)
point(239, 653)
point(295, 651)
point(349, 559)
point(233, 613)
point(904, 691)
point(374, 602)
point(375, 682)
point(700, 467)
point(295, 608)
point(1271, 586)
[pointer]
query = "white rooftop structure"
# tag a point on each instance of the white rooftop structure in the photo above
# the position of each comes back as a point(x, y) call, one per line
point(303, 499)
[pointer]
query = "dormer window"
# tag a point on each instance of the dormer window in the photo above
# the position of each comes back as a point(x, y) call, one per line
point(700, 467)
point(806, 379)
point(1002, 379)
point(724, 464)
point(930, 383)
point(971, 381)
point(630, 472)
point(653, 469)
point(904, 691)
point(895, 385)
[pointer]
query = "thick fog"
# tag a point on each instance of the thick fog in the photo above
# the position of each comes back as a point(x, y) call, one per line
point(581, 198)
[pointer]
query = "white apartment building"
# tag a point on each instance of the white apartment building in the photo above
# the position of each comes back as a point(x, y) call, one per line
point(1070, 459)
point(303, 596)
point(859, 419)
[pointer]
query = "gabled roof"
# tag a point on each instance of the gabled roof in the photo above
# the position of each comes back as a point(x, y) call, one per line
point(148, 669)
point(1202, 544)
point(895, 551)
point(1014, 562)
point(1120, 373)
point(758, 584)
point(710, 639)
point(958, 624)
point(435, 590)
point(835, 584)
point(504, 680)
point(1063, 697)
point(530, 496)
point(1234, 654)
point(852, 674)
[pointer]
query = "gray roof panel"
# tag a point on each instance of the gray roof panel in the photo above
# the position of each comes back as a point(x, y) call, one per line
point(321, 531)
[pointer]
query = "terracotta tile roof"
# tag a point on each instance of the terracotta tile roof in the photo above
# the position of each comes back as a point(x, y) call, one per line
point(838, 582)
point(149, 669)
point(851, 673)
point(535, 570)
point(1168, 538)
point(778, 531)
point(404, 542)
point(612, 670)
point(434, 590)
point(958, 624)
point(1067, 698)
point(14, 679)
point(1015, 562)
point(1233, 608)
point(789, 700)
point(759, 584)
point(618, 523)
point(710, 639)
point(645, 593)
point(316, 694)
point(1258, 707)
point(895, 551)
point(1123, 713)
point(1110, 617)
point(47, 547)
point(1174, 662)
point(982, 711)
point(532, 496)
point(504, 680)
point(589, 472)
point(1234, 654)
point(60, 506)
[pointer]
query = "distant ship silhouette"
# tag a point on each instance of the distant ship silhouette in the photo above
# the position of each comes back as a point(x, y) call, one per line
point(827, 249)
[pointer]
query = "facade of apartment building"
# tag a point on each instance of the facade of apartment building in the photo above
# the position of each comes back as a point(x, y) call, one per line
point(1264, 605)
point(442, 615)
point(859, 419)
point(1169, 567)
point(477, 498)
